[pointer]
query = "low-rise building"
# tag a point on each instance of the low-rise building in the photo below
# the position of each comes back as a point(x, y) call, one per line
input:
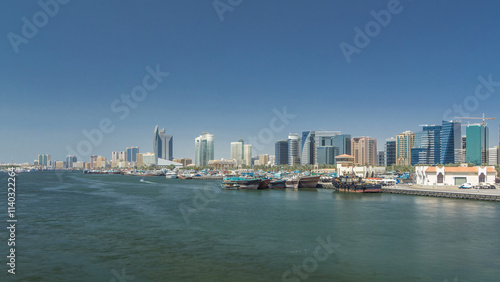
point(346, 167)
point(222, 164)
point(434, 175)
point(184, 162)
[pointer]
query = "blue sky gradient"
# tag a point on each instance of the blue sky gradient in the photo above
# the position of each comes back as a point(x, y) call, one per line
point(227, 76)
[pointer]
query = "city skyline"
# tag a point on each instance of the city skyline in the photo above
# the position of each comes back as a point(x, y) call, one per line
point(380, 146)
point(89, 72)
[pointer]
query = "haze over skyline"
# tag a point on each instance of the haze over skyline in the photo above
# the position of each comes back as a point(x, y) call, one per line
point(226, 77)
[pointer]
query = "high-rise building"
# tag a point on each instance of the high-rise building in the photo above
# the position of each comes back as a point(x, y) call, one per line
point(204, 149)
point(343, 142)
point(247, 154)
point(293, 149)
point(451, 142)
point(146, 159)
point(326, 155)
point(404, 143)
point(101, 162)
point(477, 144)
point(281, 152)
point(307, 148)
point(163, 145)
point(70, 160)
point(263, 159)
point(464, 149)
point(118, 156)
point(327, 143)
point(494, 155)
point(93, 161)
point(381, 158)
point(390, 151)
point(131, 154)
point(364, 150)
point(237, 151)
point(43, 159)
point(427, 146)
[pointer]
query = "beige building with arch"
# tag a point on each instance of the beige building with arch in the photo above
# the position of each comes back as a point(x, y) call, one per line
point(434, 175)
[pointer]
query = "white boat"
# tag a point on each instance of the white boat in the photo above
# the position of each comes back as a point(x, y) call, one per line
point(171, 175)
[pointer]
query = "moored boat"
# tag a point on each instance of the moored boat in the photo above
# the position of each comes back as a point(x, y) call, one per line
point(355, 185)
point(264, 184)
point(303, 182)
point(171, 175)
point(242, 183)
point(277, 184)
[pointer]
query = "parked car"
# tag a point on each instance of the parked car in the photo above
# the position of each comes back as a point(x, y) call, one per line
point(466, 186)
point(491, 186)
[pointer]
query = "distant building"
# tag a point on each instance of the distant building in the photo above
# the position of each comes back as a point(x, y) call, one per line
point(59, 165)
point(293, 149)
point(272, 160)
point(451, 143)
point(148, 159)
point(326, 155)
point(390, 151)
point(43, 159)
point(101, 162)
point(93, 161)
point(79, 165)
point(281, 152)
point(263, 159)
point(70, 160)
point(307, 148)
point(237, 151)
point(381, 158)
point(131, 154)
point(327, 143)
point(364, 150)
point(477, 144)
point(184, 162)
point(163, 145)
point(117, 156)
point(247, 154)
point(222, 164)
point(204, 149)
point(404, 143)
point(494, 155)
point(464, 149)
point(427, 146)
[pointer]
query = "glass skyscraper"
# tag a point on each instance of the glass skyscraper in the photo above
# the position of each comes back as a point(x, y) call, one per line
point(343, 142)
point(326, 154)
point(131, 153)
point(204, 149)
point(451, 142)
point(477, 144)
point(427, 146)
point(281, 152)
point(307, 148)
point(324, 147)
point(293, 149)
point(163, 145)
point(390, 151)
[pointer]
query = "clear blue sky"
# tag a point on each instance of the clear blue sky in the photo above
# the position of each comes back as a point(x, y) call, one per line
point(227, 76)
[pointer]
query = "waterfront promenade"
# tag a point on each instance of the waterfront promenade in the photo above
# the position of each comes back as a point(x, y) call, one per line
point(445, 191)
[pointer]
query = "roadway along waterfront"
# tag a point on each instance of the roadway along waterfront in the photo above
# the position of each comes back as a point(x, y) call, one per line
point(445, 191)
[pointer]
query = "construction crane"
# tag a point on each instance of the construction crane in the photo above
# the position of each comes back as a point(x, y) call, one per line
point(483, 118)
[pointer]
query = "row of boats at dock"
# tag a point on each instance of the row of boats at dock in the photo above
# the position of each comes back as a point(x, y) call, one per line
point(341, 184)
point(236, 182)
point(256, 181)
